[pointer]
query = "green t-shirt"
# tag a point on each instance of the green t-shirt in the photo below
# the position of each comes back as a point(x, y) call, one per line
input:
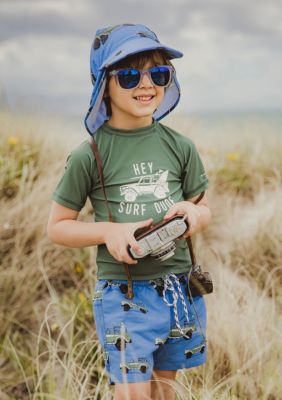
point(146, 171)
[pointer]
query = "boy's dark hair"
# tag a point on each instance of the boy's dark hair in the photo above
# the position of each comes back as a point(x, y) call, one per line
point(135, 61)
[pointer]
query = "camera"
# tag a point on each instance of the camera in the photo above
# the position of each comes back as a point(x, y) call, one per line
point(200, 282)
point(158, 240)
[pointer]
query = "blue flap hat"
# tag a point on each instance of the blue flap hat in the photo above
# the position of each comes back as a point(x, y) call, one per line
point(112, 44)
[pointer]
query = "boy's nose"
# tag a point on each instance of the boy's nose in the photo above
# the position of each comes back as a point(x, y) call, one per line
point(145, 80)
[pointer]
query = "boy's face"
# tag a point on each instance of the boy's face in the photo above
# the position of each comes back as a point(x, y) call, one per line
point(135, 106)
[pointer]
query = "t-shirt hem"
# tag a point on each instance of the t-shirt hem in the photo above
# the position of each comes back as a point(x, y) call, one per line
point(142, 277)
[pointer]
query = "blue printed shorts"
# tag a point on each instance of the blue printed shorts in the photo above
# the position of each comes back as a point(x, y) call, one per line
point(160, 328)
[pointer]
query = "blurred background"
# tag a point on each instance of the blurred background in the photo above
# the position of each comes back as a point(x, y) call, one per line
point(231, 66)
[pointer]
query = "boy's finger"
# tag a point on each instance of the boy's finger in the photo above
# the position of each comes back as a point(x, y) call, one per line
point(128, 260)
point(147, 222)
point(171, 212)
point(133, 243)
point(141, 227)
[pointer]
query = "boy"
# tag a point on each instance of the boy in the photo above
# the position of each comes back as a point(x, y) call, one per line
point(151, 173)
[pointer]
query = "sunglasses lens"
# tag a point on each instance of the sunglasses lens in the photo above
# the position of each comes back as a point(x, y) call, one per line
point(160, 75)
point(128, 78)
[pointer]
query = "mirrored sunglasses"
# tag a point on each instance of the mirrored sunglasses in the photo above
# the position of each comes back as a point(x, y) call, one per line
point(129, 78)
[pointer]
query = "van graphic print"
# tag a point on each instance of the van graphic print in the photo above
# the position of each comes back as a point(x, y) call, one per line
point(155, 184)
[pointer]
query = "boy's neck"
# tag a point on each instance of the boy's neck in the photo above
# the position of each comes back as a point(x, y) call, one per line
point(127, 124)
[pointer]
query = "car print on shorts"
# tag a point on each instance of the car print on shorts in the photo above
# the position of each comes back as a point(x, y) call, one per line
point(118, 336)
point(155, 184)
point(97, 295)
point(160, 341)
point(199, 349)
point(127, 305)
point(141, 365)
point(186, 332)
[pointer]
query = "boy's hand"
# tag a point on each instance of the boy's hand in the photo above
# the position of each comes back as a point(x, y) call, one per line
point(193, 215)
point(120, 235)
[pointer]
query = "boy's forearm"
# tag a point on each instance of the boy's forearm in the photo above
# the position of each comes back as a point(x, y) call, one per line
point(73, 233)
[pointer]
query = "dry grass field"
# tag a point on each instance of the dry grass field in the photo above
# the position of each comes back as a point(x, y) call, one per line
point(48, 346)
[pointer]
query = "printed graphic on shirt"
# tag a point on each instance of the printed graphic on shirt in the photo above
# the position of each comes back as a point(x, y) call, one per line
point(146, 183)
point(155, 184)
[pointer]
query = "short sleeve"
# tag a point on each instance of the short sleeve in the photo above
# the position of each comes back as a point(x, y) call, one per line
point(194, 179)
point(77, 180)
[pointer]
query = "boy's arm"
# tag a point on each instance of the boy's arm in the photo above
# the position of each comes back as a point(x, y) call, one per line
point(63, 228)
point(199, 214)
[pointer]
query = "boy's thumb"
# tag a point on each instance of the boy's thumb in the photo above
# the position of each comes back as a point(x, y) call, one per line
point(141, 226)
point(147, 222)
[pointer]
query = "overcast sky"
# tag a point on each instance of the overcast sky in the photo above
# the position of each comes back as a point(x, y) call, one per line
point(232, 50)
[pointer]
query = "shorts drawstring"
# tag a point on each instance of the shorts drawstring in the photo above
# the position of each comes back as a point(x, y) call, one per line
point(169, 281)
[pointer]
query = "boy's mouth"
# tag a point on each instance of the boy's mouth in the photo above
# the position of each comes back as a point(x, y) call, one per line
point(144, 99)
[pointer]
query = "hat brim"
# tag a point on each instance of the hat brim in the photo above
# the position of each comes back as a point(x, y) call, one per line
point(136, 45)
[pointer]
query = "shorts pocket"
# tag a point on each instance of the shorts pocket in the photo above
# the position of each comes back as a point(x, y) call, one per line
point(98, 312)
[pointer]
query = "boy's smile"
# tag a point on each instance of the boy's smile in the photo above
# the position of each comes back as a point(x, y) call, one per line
point(133, 108)
point(146, 99)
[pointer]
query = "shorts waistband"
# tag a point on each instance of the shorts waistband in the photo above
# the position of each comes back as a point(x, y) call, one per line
point(142, 282)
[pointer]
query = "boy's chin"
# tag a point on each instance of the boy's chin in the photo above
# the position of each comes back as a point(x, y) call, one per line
point(145, 111)
point(143, 114)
